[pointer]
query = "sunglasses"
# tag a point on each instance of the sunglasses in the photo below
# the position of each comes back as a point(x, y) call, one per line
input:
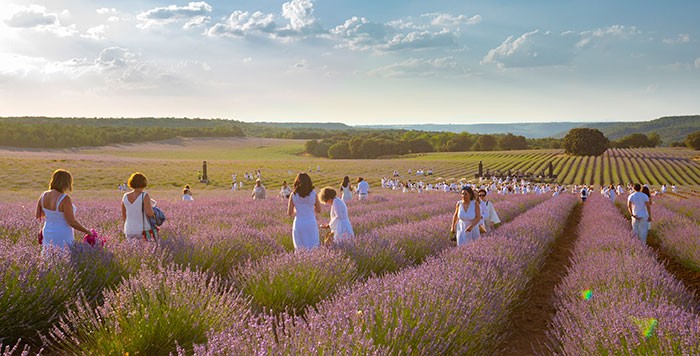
point(482, 195)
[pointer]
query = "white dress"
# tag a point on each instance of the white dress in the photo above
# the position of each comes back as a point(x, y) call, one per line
point(135, 222)
point(340, 222)
point(305, 228)
point(346, 193)
point(56, 230)
point(465, 219)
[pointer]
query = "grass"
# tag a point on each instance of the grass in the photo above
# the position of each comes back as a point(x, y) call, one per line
point(173, 163)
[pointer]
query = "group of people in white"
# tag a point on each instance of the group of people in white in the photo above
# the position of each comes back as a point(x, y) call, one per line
point(474, 213)
point(57, 210)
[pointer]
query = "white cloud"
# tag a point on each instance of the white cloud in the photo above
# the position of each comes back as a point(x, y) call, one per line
point(697, 62)
point(106, 11)
point(242, 23)
point(300, 14)
point(413, 67)
point(681, 38)
point(449, 20)
point(247, 60)
point(38, 18)
point(360, 34)
point(195, 13)
point(543, 48)
point(95, 33)
point(113, 19)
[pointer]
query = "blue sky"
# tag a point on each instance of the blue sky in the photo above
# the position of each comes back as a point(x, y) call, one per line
point(357, 62)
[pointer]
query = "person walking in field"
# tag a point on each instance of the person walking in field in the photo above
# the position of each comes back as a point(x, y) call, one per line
point(304, 205)
point(639, 207)
point(258, 190)
point(56, 206)
point(339, 221)
point(362, 189)
point(137, 207)
point(466, 218)
point(584, 194)
point(346, 190)
point(489, 217)
point(187, 193)
point(285, 191)
point(611, 194)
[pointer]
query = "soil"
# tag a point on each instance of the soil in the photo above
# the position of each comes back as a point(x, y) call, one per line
point(531, 320)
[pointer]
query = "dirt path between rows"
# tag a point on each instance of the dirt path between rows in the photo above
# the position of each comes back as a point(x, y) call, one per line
point(530, 321)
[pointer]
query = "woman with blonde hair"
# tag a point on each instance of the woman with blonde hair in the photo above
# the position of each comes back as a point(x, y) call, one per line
point(137, 207)
point(258, 190)
point(57, 207)
point(304, 205)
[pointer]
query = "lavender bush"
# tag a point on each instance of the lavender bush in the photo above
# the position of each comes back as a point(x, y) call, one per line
point(678, 236)
point(293, 281)
point(151, 313)
point(34, 291)
point(374, 255)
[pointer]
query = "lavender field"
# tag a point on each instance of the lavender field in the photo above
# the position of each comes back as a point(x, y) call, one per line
point(224, 280)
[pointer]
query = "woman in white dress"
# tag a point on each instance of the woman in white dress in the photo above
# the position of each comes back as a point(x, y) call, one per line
point(346, 190)
point(56, 206)
point(137, 206)
point(258, 190)
point(488, 212)
point(304, 205)
point(187, 193)
point(466, 218)
point(285, 191)
point(340, 222)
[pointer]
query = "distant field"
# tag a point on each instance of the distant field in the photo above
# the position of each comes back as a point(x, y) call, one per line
point(173, 163)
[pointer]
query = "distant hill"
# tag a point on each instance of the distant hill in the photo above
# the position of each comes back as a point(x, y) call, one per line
point(670, 129)
point(527, 129)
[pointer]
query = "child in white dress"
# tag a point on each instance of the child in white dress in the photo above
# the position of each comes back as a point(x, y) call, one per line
point(340, 222)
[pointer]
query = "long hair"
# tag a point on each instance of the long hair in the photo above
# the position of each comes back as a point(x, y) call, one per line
point(346, 182)
point(303, 185)
point(62, 181)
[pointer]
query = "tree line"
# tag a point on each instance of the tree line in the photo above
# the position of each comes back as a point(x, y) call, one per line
point(373, 144)
point(61, 135)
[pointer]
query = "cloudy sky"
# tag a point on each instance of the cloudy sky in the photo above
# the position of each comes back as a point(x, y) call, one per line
point(352, 61)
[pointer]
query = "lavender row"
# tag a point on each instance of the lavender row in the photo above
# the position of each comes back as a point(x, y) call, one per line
point(678, 236)
point(617, 299)
point(455, 304)
point(689, 208)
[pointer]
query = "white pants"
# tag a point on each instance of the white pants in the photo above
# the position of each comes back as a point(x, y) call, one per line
point(640, 227)
point(362, 196)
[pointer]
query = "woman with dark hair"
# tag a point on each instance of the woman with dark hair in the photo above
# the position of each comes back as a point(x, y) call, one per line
point(304, 205)
point(466, 218)
point(346, 190)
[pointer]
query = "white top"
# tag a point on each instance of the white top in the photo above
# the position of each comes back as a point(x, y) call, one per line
point(187, 197)
point(136, 221)
point(258, 192)
point(363, 187)
point(56, 230)
point(285, 192)
point(340, 222)
point(638, 201)
point(346, 193)
point(304, 227)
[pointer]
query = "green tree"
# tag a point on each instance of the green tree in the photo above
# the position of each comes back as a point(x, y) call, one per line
point(512, 142)
point(693, 140)
point(484, 143)
point(585, 142)
point(339, 150)
point(419, 145)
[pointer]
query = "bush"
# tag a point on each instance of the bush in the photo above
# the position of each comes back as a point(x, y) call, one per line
point(585, 142)
point(150, 313)
point(693, 140)
point(294, 281)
